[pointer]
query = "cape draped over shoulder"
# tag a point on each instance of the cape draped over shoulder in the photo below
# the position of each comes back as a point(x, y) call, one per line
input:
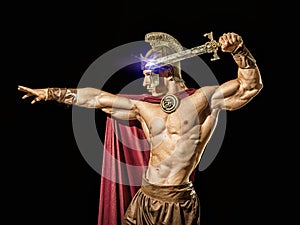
point(125, 158)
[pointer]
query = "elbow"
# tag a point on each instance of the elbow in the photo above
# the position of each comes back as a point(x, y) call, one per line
point(250, 93)
point(260, 86)
point(252, 88)
point(103, 101)
point(257, 88)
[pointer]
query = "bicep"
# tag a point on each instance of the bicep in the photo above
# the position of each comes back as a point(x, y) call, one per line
point(231, 95)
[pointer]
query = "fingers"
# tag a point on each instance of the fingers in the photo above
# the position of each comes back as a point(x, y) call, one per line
point(22, 88)
point(37, 99)
point(26, 89)
point(26, 96)
point(229, 41)
point(32, 92)
point(229, 38)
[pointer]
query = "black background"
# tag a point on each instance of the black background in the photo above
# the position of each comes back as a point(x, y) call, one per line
point(53, 45)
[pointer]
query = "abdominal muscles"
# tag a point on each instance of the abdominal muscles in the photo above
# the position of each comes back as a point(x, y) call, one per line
point(174, 156)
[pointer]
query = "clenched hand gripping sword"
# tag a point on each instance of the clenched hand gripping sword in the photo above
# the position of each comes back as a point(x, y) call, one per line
point(209, 47)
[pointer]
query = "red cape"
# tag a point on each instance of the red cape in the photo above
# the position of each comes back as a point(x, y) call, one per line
point(125, 158)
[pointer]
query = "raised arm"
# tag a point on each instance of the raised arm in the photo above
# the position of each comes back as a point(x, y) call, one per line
point(120, 107)
point(236, 93)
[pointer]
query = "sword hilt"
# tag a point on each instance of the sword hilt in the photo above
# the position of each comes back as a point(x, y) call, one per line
point(212, 46)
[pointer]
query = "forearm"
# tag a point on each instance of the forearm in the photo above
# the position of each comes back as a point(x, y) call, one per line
point(243, 57)
point(84, 97)
point(237, 92)
point(248, 72)
point(89, 98)
point(62, 95)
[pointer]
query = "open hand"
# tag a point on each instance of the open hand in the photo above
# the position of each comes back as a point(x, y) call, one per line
point(40, 94)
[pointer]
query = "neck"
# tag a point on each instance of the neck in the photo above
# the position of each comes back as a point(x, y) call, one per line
point(176, 87)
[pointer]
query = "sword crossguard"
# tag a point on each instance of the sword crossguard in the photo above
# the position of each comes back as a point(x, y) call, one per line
point(212, 46)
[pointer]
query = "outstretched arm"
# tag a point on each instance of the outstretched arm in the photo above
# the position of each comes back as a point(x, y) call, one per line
point(119, 107)
point(236, 93)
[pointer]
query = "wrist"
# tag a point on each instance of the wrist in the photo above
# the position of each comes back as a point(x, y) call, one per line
point(62, 95)
point(46, 94)
point(238, 48)
point(243, 57)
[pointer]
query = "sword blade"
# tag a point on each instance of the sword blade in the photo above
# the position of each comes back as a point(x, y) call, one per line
point(209, 47)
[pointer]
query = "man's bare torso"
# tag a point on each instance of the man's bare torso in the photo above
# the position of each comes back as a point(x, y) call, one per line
point(177, 139)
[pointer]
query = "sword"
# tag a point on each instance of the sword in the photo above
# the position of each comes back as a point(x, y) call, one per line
point(209, 47)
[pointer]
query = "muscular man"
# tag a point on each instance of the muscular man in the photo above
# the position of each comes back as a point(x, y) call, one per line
point(178, 129)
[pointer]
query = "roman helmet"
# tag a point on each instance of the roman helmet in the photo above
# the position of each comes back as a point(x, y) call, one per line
point(162, 44)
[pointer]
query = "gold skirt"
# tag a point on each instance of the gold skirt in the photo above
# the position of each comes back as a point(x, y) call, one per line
point(164, 205)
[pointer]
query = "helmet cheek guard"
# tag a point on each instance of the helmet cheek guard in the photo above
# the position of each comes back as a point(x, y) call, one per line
point(154, 80)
